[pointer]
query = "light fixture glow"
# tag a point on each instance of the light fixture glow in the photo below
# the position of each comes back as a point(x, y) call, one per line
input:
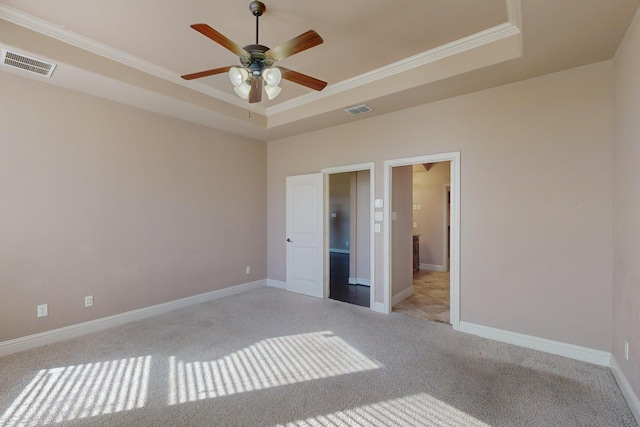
point(272, 91)
point(240, 79)
point(243, 90)
point(238, 76)
point(272, 76)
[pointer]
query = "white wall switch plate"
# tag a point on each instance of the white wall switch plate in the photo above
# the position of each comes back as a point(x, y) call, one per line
point(378, 216)
point(378, 203)
point(43, 310)
point(626, 350)
point(377, 228)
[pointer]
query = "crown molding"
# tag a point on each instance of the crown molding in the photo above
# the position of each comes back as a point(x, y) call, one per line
point(508, 29)
point(514, 13)
point(473, 41)
point(48, 29)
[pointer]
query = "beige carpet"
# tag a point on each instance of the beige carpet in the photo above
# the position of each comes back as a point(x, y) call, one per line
point(430, 299)
point(272, 358)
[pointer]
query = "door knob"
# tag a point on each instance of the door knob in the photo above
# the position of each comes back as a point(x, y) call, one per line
point(289, 240)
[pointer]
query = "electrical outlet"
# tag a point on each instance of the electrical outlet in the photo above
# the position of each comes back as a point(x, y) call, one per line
point(43, 310)
point(88, 301)
point(247, 269)
point(626, 350)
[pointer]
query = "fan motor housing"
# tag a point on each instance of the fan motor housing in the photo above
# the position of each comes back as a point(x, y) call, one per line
point(258, 58)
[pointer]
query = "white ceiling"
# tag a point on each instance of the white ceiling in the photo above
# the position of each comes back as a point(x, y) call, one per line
point(391, 55)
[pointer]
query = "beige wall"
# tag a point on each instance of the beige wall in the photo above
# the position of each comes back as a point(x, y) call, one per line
point(131, 207)
point(535, 196)
point(626, 205)
point(401, 229)
point(431, 219)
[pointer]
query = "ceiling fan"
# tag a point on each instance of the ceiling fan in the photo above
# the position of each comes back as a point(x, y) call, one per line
point(257, 61)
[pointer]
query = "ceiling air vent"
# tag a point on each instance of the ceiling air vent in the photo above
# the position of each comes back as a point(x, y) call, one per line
point(359, 109)
point(33, 65)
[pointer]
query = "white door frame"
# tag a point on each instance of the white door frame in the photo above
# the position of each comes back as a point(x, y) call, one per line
point(445, 243)
point(454, 286)
point(342, 169)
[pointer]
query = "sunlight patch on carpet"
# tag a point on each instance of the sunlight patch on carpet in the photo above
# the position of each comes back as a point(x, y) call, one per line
point(418, 410)
point(268, 363)
point(62, 394)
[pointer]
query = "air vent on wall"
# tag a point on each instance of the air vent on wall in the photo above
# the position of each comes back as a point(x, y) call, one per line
point(359, 109)
point(33, 65)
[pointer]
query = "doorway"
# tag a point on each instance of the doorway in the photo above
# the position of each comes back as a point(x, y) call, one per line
point(401, 230)
point(428, 296)
point(348, 233)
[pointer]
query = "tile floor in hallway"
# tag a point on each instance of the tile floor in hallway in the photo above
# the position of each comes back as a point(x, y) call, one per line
point(430, 299)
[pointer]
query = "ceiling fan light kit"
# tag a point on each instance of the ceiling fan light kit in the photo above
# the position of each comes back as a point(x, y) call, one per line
point(257, 62)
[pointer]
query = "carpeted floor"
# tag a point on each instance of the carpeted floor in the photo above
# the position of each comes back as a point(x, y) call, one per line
point(272, 358)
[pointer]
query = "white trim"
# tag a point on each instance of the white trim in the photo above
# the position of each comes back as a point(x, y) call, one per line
point(276, 284)
point(379, 307)
point(445, 232)
point(72, 331)
point(400, 296)
point(571, 351)
point(339, 251)
point(514, 13)
point(348, 168)
point(432, 267)
point(454, 279)
point(359, 281)
point(371, 167)
point(627, 390)
point(490, 35)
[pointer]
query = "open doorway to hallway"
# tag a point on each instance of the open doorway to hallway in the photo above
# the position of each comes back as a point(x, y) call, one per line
point(422, 237)
point(431, 216)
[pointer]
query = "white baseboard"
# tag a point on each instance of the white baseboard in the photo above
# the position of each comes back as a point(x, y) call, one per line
point(339, 251)
point(401, 296)
point(276, 284)
point(67, 332)
point(627, 391)
point(432, 267)
point(571, 351)
point(379, 308)
point(359, 281)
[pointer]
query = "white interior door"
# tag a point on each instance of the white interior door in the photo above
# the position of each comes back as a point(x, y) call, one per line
point(305, 256)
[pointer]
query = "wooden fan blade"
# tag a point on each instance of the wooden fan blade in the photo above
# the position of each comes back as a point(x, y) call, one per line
point(256, 91)
point(297, 44)
point(302, 79)
point(206, 73)
point(223, 41)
